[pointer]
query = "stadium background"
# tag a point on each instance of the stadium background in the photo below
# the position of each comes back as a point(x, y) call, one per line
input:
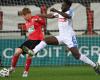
point(85, 22)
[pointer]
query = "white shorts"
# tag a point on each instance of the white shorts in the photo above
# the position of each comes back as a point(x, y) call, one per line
point(69, 41)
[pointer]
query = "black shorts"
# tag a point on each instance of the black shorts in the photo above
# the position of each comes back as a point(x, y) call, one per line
point(30, 44)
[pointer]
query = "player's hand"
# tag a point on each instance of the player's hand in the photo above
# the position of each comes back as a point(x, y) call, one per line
point(53, 10)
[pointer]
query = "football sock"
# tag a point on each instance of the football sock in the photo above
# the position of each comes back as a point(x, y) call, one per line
point(28, 63)
point(14, 61)
point(86, 60)
point(40, 46)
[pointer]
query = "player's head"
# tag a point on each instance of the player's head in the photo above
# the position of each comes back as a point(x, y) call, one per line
point(25, 13)
point(66, 5)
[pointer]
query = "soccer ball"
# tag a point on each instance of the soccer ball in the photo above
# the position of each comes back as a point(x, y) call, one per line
point(4, 72)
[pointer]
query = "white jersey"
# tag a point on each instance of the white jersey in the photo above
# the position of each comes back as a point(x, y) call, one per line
point(65, 25)
point(66, 32)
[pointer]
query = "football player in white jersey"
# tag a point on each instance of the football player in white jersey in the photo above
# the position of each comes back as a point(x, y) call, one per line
point(66, 34)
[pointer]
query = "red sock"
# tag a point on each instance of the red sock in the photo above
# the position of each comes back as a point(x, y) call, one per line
point(28, 63)
point(14, 61)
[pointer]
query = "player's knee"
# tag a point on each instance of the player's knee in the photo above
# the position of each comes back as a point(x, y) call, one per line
point(77, 56)
point(18, 51)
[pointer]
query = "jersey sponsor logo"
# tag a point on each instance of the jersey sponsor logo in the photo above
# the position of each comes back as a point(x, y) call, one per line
point(31, 29)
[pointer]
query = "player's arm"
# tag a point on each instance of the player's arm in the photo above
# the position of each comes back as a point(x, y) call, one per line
point(23, 27)
point(61, 13)
point(41, 21)
point(50, 15)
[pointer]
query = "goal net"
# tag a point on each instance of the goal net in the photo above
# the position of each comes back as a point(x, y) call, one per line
point(85, 23)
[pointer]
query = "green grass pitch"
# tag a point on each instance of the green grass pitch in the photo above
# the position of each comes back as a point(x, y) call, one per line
point(56, 73)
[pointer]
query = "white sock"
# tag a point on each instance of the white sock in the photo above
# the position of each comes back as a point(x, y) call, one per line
point(40, 46)
point(86, 60)
point(98, 58)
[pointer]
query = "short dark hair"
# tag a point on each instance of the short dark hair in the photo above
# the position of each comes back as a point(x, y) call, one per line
point(69, 2)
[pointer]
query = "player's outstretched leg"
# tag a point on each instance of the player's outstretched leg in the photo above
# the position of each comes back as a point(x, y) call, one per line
point(49, 40)
point(84, 59)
